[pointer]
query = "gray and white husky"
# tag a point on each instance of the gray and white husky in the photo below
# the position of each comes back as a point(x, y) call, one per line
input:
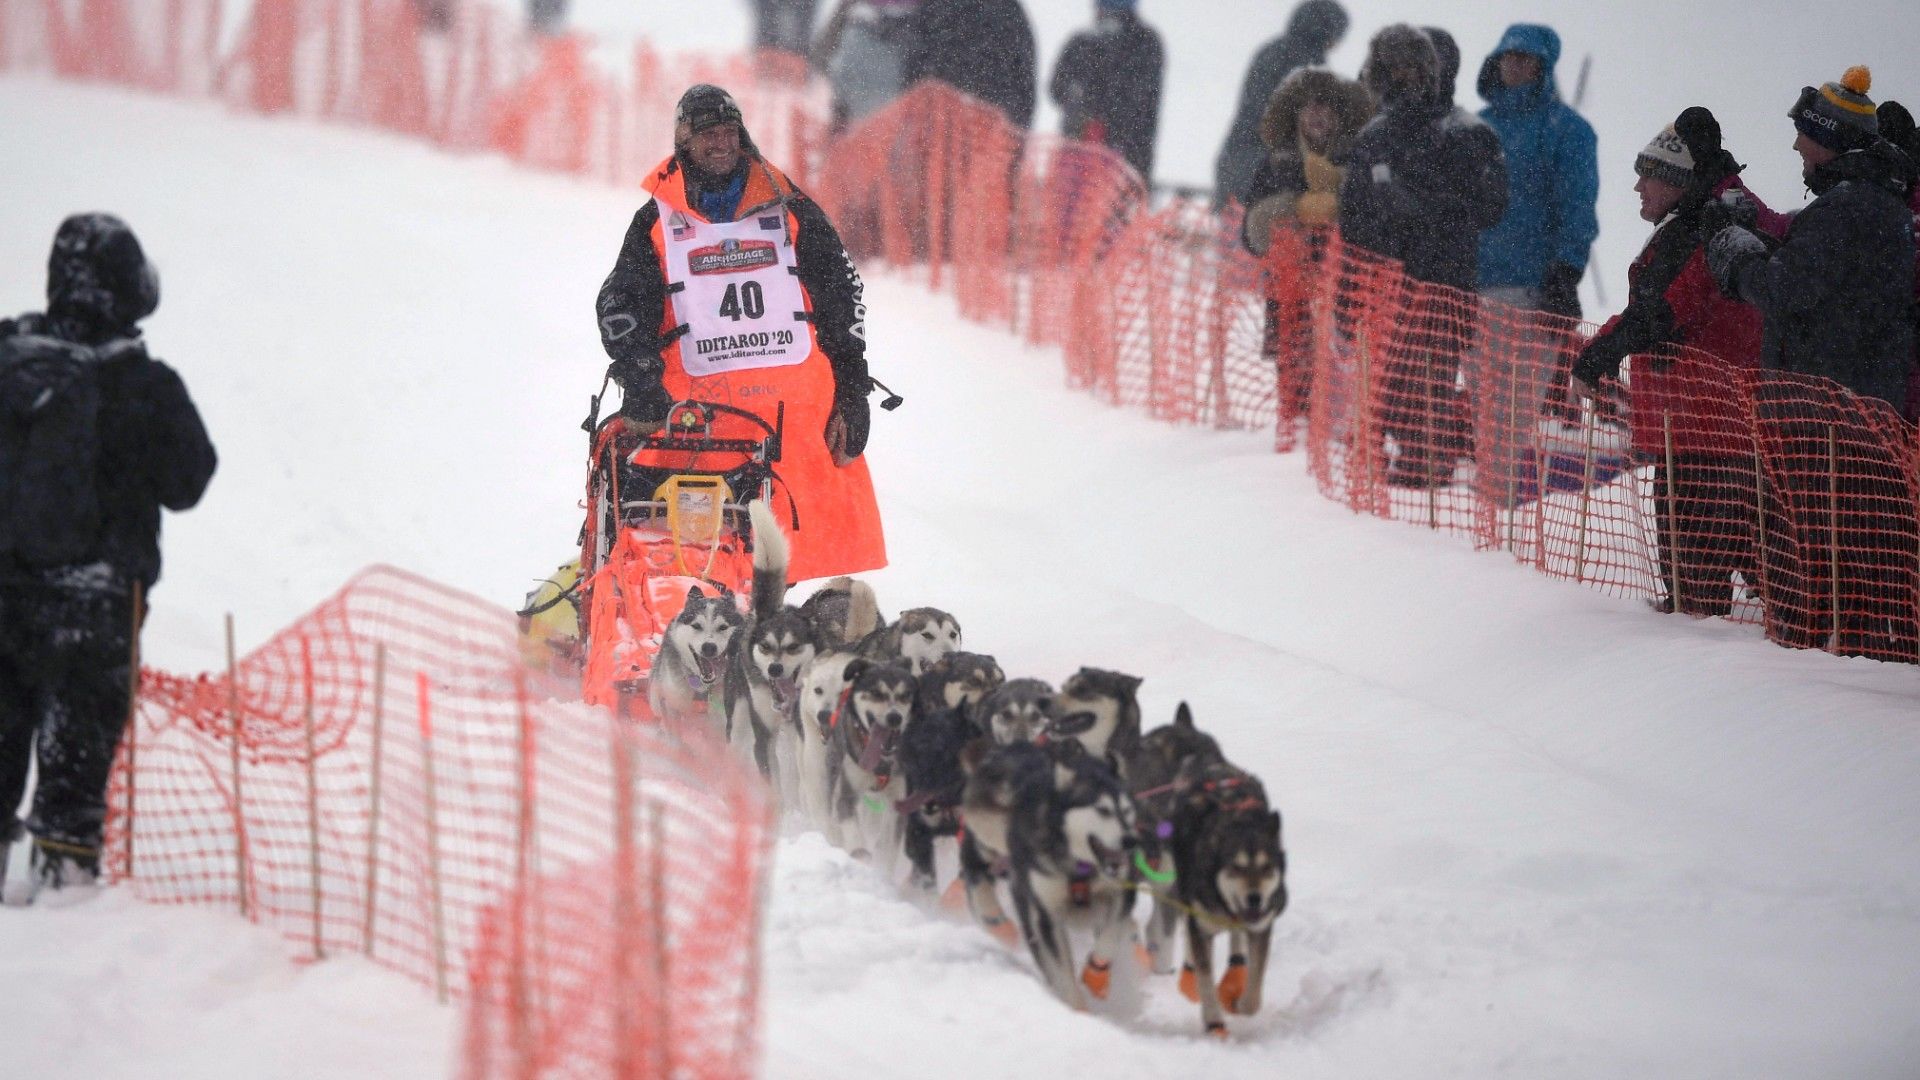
point(1019, 711)
point(700, 641)
point(863, 772)
point(1070, 853)
point(918, 638)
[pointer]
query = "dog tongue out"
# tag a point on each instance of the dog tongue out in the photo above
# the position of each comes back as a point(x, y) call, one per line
point(705, 664)
point(877, 744)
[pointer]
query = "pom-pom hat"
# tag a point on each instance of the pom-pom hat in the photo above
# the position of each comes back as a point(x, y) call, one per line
point(1838, 115)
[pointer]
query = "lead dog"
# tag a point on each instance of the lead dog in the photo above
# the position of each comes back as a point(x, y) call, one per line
point(1231, 877)
point(1154, 772)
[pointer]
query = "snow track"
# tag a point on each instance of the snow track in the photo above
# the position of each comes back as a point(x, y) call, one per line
point(1534, 832)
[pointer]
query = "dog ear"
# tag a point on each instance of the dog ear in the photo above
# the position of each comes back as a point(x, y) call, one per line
point(1183, 716)
point(855, 669)
point(694, 593)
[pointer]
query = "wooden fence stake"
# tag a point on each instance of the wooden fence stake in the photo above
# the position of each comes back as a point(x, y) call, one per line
point(378, 755)
point(1587, 419)
point(1833, 531)
point(239, 804)
point(313, 796)
point(433, 840)
point(1673, 523)
point(662, 961)
point(522, 886)
point(625, 904)
point(133, 721)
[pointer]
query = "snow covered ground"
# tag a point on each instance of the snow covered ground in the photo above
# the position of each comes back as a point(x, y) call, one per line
point(1534, 832)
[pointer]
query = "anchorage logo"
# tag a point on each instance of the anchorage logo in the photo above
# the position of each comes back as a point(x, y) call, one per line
point(732, 257)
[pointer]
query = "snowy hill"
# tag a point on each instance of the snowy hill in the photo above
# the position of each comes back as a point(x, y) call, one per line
point(1534, 832)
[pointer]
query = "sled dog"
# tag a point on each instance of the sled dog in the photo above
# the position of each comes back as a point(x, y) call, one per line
point(1017, 712)
point(863, 774)
point(842, 612)
point(1071, 844)
point(1153, 772)
point(1100, 709)
point(918, 638)
point(1231, 877)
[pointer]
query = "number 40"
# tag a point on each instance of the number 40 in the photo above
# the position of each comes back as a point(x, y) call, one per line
point(743, 300)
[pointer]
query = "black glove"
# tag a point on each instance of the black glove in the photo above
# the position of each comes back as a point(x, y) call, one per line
point(1560, 290)
point(1731, 249)
point(642, 399)
point(856, 419)
point(1595, 362)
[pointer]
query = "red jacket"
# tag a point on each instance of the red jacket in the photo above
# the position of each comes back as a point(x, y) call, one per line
point(1698, 394)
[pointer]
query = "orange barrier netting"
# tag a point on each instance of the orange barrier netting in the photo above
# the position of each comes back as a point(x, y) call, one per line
point(1704, 486)
point(378, 779)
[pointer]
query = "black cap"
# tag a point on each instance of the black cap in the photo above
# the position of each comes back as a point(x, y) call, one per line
point(704, 106)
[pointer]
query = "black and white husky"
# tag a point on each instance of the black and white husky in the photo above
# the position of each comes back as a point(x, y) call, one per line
point(1018, 712)
point(1231, 877)
point(1167, 758)
point(763, 679)
point(863, 773)
point(1071, 845)
point(699, 644)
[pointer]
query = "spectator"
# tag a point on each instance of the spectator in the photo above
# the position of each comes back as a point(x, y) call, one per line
point(1107, 84)
point(95, 437)
point(1315, 28)
point(1308, 129)
point(1897, 127)
point(863, 50)
point(1837, 294)
point(1448, 50)
point(733, 286)
point(1537, 253)
point(1836, 301)
point(1686, 412)
point(983, 48)
point(1423, 180)
point(786, 25)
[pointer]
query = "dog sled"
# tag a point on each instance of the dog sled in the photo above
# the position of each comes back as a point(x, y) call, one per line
point(666, 512)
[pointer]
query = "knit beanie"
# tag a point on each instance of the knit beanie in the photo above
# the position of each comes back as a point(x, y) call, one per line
point(1116, 5)
point(1838, 115)
point(1666, 159)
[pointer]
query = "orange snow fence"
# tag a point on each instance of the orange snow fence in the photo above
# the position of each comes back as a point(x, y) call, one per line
point(1702, 486)
point(380, 779)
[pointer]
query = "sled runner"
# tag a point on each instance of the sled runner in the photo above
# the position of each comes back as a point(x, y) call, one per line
point(666, 512)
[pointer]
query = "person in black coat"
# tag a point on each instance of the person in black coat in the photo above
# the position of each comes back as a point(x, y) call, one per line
point(1314, 29)
point(983, 48)
point(78, 556)
point(1107, 83)
point(1836, 301)
point(1423, 180)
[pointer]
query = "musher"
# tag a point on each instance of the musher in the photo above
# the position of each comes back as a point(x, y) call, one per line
point(733, 287)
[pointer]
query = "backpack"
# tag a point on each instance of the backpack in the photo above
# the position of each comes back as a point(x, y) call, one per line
point(50, 502)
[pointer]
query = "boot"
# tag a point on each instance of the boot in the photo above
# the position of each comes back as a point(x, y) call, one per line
point(59, 875)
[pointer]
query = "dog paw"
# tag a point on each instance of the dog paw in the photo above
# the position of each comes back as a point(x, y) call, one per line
point(955, 898)
point(1003, 930)
point(1149, 960)
point(1233, 983)
point(1097, 978)
point(1217, 1030)
point(1189, 985)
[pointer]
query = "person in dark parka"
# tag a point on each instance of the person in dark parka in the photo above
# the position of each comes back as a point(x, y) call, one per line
point(1314, 29)
point(1423, 179)
point(1837, 293)
point(983, 48)
point(1308, 129)
point(1836, 301)
point(1107, 84)
point(68, 588)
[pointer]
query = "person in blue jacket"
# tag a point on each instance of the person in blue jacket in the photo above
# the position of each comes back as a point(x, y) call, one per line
point(1537, 254)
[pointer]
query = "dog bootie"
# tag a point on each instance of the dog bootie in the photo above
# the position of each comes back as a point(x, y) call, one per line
point(1189, 985)
point(1233, 983)
point(1097, 978)
point(1002, 928)
point(955, 898)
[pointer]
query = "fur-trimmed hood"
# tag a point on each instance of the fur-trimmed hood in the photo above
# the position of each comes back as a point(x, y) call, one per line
point(1352, 106)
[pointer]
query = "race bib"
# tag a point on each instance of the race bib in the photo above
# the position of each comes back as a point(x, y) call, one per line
point(739, 295)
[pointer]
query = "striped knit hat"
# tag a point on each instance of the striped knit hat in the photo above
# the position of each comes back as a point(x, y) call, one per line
point(1838, 116)
point(1666, 159)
